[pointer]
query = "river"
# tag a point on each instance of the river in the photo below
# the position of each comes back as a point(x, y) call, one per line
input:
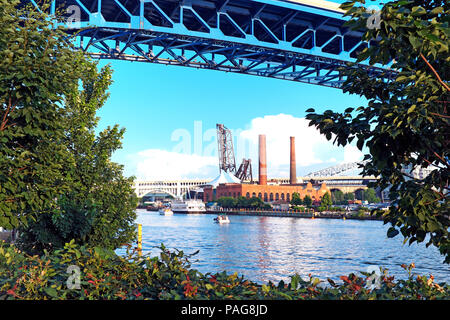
point(273, 248)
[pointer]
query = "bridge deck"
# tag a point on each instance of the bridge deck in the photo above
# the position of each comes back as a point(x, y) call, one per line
point(298, 40)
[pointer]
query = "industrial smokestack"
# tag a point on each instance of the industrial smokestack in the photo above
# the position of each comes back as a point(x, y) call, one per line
point(293, 171)
point(262, 160)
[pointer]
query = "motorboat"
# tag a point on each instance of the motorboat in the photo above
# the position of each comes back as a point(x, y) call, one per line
point(165, 211)
point(222, 219)
point(188, 206)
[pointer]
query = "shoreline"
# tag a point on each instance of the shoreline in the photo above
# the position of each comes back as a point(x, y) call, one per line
point(285, 214)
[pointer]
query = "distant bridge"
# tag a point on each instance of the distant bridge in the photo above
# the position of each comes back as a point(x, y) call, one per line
point(174, 188)
point(336, 170)
point(297, 40)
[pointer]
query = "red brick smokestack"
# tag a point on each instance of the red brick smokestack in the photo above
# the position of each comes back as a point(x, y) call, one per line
point(262, 160)
point(293, 171)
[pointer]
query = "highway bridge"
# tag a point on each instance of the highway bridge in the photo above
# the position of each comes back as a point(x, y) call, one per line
point(297, 40)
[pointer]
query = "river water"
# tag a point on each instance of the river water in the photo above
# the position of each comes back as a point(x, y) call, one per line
point(273, 248)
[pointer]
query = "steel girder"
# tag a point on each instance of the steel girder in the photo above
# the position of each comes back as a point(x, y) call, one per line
point(287, 40)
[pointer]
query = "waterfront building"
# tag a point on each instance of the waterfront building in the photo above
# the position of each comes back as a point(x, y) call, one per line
point(267, 193)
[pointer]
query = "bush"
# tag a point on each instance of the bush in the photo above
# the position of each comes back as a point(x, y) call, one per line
point(105, 275)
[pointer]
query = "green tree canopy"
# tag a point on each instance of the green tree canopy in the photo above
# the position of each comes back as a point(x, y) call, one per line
point(370, 195)
point(405, 124)
point(99, 208)
point(349, 196)
point(307, 201)
point(337, 196)
point(326, 201)
point(57, 181)
point(296, 200)
point(37, 66)
point(227, 202)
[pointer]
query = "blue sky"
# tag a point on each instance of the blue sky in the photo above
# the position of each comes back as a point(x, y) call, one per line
point(157, 104)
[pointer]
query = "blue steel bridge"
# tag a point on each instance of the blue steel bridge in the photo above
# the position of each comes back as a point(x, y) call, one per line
point(297, 40)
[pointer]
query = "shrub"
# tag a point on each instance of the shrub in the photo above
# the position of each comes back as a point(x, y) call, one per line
point(105, 275)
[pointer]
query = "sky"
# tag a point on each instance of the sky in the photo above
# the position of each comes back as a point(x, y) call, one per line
point(170, 115)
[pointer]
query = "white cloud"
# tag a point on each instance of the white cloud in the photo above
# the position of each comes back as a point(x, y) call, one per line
point(313, 151)
point(155, 164)
point(352, 154)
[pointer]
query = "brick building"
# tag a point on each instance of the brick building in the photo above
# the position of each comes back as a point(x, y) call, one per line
point(266, 193)
point(223, 186)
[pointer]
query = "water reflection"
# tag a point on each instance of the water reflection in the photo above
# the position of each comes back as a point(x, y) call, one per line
point(269, 248)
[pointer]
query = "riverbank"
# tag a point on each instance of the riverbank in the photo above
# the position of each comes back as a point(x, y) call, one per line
point(295, 214)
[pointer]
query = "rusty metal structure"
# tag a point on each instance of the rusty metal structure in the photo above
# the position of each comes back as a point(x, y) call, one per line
point(227, 160)
point(244, 172)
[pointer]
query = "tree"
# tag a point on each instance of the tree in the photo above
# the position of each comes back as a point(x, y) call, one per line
point(370, 196)
point(99, 208)
point(296, 200)
point(37, 65)
point(349, 196)
point(227, 202)
point(337, 196)
point(307, 201)
point(326, 201)
point(405, 124)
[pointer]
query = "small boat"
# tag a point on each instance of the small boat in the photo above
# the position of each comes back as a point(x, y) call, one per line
point(165, 212)
point(222, 219)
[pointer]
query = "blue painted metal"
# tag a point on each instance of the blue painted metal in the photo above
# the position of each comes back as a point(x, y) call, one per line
point(270, 38)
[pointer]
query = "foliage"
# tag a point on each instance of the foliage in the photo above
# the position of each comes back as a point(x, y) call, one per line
point(36, 67)
point(405, 122)
point(100, 207)
point(307, 201)
point(349, 196)
point(169, 276)
point(370, 196)
point(337, 196)
point(296, 200)
point(326, 201)
point(242, 202)
point(57, 182)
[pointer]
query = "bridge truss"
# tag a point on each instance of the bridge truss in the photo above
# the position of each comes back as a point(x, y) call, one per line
point(336, 170)
point(290, 40)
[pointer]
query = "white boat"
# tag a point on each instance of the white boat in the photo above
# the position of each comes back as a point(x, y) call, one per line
point(188, 206)
point(222, 219)
point(165, 212)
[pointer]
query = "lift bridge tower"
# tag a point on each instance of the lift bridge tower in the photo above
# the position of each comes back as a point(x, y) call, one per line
point(227, 162)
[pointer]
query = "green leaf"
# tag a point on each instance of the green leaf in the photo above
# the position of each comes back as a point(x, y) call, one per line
point(411, 109)
point(51, 292)
point(392, 232)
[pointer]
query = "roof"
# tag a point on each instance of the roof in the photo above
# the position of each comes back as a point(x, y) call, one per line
point(223, 177)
